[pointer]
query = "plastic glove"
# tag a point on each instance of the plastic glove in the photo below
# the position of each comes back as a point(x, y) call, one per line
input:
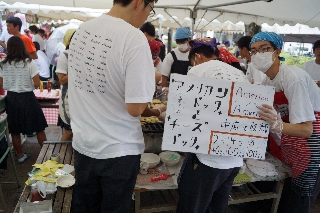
point(165, 90)
point(162, 109)
point(162, 116)
point(270, 115)
point(276, 135)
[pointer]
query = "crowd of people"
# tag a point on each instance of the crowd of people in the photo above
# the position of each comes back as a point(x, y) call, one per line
point(108, 75)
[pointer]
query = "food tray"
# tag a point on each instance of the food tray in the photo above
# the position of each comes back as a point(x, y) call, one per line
point(153, 128)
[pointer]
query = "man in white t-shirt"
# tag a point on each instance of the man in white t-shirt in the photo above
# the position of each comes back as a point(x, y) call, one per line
point(206, 180)
point(297, 100)
point(177, 60)
point(110, 82)
point(254, 76)
point(313, 67)
point(43, 63)
point(36, 36)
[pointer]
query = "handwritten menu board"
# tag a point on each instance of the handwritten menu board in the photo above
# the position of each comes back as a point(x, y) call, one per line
point(216, 117)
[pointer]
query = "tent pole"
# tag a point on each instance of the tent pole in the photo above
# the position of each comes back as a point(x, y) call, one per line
point(231, 3)
point(165, 10)
point(193, 15)
point(212, 20)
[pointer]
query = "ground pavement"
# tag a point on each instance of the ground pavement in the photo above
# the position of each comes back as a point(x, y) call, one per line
point(12, 193)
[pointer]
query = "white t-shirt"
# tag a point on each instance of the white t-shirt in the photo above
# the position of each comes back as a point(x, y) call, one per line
point(109, 67)
point(18, 78)
point(313, 69)
point(300, 90)
point(227, 72)
point(168, 61)
point(255, 76)
point(5, 36)
point(43, 64)
point(62, 67)
point(39, 39)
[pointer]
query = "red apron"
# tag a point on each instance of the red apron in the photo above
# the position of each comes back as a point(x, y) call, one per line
point(301, 154)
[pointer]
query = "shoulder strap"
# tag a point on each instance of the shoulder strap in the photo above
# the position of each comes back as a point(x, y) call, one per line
point(174, 56)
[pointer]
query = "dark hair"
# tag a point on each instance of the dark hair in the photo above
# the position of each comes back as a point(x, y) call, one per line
point(125, 3)
point(37, 45)
point(244, 41)
point(15, 21)
point(182, 40)
point(148, 28)
point(34, 29)
point(205, 50)
point(42, 32)
point(316, 45)
point(67, 47)
point(274, 46)
point(16, 51)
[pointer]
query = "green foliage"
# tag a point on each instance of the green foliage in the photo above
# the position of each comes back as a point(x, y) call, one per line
point(174, 44)
point(294, 60)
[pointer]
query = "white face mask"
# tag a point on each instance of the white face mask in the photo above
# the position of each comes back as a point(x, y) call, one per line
point(262, 61)
point(183, 47)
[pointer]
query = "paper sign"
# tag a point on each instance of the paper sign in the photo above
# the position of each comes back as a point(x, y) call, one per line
point(216, 117)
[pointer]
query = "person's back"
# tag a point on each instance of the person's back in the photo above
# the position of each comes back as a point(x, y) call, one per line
point(43, 64)
point(313, 67)
point(104, 83)
point(37, 38)
point(110, 81)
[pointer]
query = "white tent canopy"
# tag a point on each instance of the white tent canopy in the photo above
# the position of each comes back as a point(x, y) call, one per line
point(258, 11)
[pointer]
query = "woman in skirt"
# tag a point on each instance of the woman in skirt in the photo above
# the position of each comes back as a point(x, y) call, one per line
point(19, 75)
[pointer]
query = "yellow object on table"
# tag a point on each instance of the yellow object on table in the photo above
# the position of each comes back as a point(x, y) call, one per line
point(41, 86)
point(242, 178)
point(47, 168)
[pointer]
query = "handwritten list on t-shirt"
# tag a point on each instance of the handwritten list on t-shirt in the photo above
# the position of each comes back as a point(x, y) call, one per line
point(216, 117)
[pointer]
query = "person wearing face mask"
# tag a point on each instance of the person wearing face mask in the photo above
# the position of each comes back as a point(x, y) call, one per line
point(206, 180)
point(297, 101)
point(253, 75)
point(177, 60)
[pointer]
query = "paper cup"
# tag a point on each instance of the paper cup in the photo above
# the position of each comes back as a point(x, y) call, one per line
point(55, 157)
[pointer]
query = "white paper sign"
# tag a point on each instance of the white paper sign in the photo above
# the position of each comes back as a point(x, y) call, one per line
point(216, 117)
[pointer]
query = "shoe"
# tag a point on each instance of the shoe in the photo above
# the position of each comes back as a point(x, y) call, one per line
point(24, 157)
point(31, 135)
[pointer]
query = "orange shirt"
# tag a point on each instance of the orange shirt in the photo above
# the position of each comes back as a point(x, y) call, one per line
point(28, 42)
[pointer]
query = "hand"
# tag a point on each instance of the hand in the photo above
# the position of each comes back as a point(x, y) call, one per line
point(318, 83)
point(162, 116)
point(270, 115)
point(3, 55)
point(163, 109)
point(165, 90)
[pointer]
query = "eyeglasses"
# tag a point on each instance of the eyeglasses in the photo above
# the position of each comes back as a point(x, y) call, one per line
point(152, 12)
point(260, 50)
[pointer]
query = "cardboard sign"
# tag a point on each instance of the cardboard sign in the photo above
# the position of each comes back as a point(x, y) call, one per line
point(216, 117)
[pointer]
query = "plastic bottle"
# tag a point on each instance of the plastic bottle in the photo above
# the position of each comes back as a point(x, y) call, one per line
point(49, 86)
point(41, 86)
point(35, 194)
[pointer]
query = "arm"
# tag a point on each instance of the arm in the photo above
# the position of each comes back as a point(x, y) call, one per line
point(303, 130)
point(1, 82)
point(153, 112)
point(164, 81)
point(63, 78)
point(33, 55)
point(3, 45)
point(269, 114)
point(136, 109)
point(36, 81)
